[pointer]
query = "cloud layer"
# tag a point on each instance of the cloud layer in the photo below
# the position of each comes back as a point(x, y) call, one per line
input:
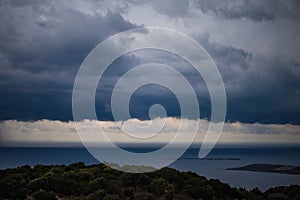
point(58, 133)
point(255, 45)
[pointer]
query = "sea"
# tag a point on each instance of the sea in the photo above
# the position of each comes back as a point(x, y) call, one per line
point(214, 165)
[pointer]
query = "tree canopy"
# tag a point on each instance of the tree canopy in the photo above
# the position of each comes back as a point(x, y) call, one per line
point(93, 182)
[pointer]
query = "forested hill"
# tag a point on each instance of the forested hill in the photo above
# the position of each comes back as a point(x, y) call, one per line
point(78, 181)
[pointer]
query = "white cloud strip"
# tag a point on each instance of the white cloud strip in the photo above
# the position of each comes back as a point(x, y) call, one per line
point(57, 133)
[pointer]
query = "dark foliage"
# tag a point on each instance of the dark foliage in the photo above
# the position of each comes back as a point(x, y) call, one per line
point(78, 181)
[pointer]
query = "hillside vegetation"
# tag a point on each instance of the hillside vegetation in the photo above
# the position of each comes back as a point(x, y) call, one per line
point(93, 182)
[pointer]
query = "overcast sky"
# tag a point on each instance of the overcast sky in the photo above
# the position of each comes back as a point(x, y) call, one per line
point(255, 44)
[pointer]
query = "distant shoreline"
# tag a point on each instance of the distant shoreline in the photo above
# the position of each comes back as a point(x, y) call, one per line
point(210, 158)
point(270, 168)
point(98, 181)
point(211, 168)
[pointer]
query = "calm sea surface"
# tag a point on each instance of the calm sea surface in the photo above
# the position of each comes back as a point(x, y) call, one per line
point(214, 166)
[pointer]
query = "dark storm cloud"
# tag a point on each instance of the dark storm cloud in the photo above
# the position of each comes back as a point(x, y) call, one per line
point(255, 10)
point(172, 8)
point(41, 47)
point(54, 37)
point(261, 89)
point(148, 95)
point(232, 61)
point(261, 78)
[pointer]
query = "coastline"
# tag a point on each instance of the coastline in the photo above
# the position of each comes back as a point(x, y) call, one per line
point(80, 181)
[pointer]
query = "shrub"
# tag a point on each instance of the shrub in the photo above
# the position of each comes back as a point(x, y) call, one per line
point(43, 195)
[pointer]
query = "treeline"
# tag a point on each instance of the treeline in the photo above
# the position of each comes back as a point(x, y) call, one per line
point(94, 182)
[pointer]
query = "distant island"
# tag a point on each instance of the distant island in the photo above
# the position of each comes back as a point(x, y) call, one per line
point(93, 182)
point(282, 169)
point(208, 158)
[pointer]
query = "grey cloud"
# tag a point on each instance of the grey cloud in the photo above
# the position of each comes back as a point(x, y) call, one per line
point(41, 48)
point(231, 61)
point(43, 43)
point(254, 10)
point(259, 88)
point(268, 90)
point(57, 37)
point(55, 48)
point(172, 8)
